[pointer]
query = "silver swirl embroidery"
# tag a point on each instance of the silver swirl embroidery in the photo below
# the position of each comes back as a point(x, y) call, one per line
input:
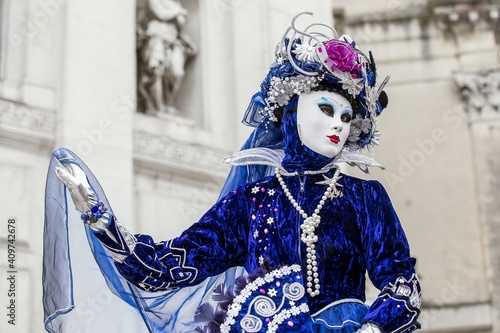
point(264, 306)
point(251, 323)
point(294, 291)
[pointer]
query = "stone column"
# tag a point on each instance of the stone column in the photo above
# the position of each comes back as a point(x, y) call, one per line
point(97, 93)
point(481, 93)
point(95, 111)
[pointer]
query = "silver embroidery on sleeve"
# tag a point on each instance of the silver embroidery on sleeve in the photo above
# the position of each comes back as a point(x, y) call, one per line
point(120, 258)
point(130, 239)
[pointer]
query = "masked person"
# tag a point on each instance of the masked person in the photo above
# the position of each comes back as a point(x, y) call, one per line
point(287, 245)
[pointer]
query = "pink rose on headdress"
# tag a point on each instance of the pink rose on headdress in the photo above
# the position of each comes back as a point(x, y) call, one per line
point(342, 56)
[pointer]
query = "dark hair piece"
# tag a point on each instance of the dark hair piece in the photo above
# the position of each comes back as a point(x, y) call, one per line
point(383, 99)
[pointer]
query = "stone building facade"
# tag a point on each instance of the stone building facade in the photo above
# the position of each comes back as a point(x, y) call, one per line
point(68, 78)
point(439, 145)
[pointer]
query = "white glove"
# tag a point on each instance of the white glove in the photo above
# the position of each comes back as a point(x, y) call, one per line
point(79, 188)
point(369, 328)
point(75, 180)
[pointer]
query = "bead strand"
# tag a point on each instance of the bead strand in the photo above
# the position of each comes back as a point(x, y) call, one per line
point(308, 227)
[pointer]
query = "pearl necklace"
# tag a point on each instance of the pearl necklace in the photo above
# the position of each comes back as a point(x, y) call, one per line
point(311, 223)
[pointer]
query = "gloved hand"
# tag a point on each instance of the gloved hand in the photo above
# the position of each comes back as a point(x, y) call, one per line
point(369, 328)
point(75, 180)
point(83, 196)
point(94, 213)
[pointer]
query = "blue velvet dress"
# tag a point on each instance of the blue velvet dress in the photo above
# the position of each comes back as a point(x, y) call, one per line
point(256, 227)
point(248, 246)
point(256, 223)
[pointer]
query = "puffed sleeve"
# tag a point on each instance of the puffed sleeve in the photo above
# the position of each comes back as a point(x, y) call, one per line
point(210, 246)
point(389, 264)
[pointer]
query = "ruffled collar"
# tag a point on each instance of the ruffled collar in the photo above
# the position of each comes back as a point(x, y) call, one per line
point(274, 158)
point(296, 157)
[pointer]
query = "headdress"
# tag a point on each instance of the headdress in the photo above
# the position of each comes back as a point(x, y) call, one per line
point(308, 58)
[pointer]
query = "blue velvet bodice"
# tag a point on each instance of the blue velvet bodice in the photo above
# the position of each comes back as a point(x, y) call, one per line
point(359, 231)
point(256, 225)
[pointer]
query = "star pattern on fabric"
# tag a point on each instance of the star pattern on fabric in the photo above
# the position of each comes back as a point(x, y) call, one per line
point(272, 292)
point(328, 181)
point(255, 190)
point(335, 193)
point(255, 234)
point(270, 220)
point(271, 192)
point(261, 260)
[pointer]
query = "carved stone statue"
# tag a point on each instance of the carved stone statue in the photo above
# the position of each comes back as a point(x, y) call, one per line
point(163, 49)
point(480, 90)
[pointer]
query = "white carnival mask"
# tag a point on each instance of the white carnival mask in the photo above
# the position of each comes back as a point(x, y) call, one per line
point(324, 121)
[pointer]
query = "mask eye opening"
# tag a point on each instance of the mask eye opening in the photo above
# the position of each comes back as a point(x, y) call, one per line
point(327, 109)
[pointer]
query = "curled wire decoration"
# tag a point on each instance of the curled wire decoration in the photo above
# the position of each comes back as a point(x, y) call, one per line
point(291, 39)
point(292, 61)
point(280, 46)
point(294, 26)
point(332, 29)
point(320, 34)
point(313, 38)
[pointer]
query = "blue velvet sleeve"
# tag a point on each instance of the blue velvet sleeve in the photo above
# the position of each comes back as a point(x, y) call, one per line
point(389, 264)
point(207, 248)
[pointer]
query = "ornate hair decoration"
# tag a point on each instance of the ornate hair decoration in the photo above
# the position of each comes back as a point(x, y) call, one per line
point(306, 58)
point(281, 90)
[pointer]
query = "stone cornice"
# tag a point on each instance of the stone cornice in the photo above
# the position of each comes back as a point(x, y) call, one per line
point(448, 15)
point(161, 153)
point(25, 127)
point(454, 11)
point(465, 15)
point(387, 16)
